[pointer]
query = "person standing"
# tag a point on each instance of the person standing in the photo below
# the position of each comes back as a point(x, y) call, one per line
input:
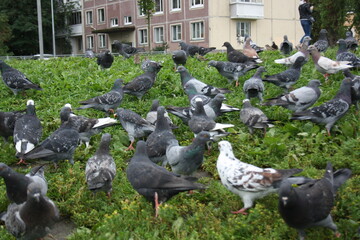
point(306, 19)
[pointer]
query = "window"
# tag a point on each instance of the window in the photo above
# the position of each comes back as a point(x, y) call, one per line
point(252, 1)
point(114, 22)
point(141, 11)
point(90, 42)
point(79, 43)
point(89, 17)
point(175, 5)
point(101, 15)
point(176, 33)
point(197, 30)
point(75, 18)
point(127, 20)
point(102, 42)
point(243, 28)
point(159, 6)
point(159, 34)
point(143, 36)
point(197, 3)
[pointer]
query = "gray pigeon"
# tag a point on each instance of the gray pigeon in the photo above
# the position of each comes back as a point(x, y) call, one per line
point(87, 127)
point(179, 57)
point(100, 169)
point(159, 139)
point(232, 71)
point(105, 59)
point(253, 117)
point(237, 56)
point(254, 86)
point(331, 111)
point(144, 82)
point(248, 181)
point(17, 183)
point(27, 131)
point(286, 47)
point(89, 53)
point(343, 55)
point(187, 159)
point(355, 87)
point(201, 122)
point(33, 218)
point(192, 50)
point(153, 182)
point(200, 87)
point(124, 50)
point(322, 43)
point(299, 99)
point(303, 52)
point(351, 42)
point(310, 204)
point(7, 123)
point(107, 102)
point(134, 125)
point(288, 77)
point(60, 145)
point(151, 116)
point(16, 80)
point(326, 65)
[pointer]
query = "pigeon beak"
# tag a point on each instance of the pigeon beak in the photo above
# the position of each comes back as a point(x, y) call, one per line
point(37, 197)
point(284, 200)
point(115, 115)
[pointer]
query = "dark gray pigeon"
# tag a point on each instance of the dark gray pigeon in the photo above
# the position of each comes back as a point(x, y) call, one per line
point(107, 102)
point(286, 47)
point(343, 55)
point(248, 181)
point(303, 52)
point(134, 125)
point(156, 183)
point(87, 127)
point(7, 123)
point(60, 145)
point(232, 71)
point(17, 183)
point(331, 111)
point(100, 169)
point(16, 80)
point(151, 116)
point(288, 77)
point(355, 87)
point(254, 86)
point(299, 99)
point(201, 122)
point(33, 218)
point(89, 53)
point(179, 57)
point(124, 50)
point(187, 159)
point(322, 43)
point(310, 204)
point(351, 42)
point(192, 50)
point(105, 59)
point(159, 139)
point(144, 82)
point(27, 131)
point(200, 87)
point(237, 56)
point(253, 117)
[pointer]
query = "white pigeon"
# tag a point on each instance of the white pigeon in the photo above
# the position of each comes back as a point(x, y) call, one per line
point(301, 53)
point(326, 65)
point(248, 181)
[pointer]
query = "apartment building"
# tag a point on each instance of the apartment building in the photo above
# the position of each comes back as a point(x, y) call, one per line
point(202, 22)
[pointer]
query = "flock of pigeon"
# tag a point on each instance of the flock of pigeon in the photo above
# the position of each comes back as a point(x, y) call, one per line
point(31, 214)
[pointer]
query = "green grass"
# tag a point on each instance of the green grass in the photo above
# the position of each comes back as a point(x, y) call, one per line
point(203, 215)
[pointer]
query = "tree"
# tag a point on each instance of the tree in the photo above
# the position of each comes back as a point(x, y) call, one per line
point(147, 7)
point(5, 34)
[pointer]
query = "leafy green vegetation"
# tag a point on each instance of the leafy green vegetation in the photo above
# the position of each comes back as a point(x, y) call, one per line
point(205, 214)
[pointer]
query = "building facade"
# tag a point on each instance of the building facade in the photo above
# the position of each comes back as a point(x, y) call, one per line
point(207, 23)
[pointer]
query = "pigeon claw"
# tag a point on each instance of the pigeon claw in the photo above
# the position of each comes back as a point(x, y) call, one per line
point(21, 161)
point(241, 211)
point(130, 147)
point(156, 200)
point(337, 234)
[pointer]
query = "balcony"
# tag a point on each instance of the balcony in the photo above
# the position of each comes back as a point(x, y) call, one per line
point(246, 9)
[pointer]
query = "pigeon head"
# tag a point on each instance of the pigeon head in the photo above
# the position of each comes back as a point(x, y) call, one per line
point(314, 83)
point(155, 105)
point(106, 137)
point(153, 66)
point(342, 44)
point(65, 113)
point(226, 44)
point(140, 150)
point(118, 113)
point(38, 170)
point(68, 105)
point(246, 103)
point(203, 136)
point(312, 49)
point(30, 107)
point(212, 63)
point(30, 102)
point(299, 62)
point(349, 34)
point(285, 38)
point(4, 169)
point(181, 69)
point(285, 192)
point(34, 191)
point(225, 147)
point(118, 84)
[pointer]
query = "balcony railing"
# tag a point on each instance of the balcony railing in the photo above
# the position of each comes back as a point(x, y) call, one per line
point(246, 9)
